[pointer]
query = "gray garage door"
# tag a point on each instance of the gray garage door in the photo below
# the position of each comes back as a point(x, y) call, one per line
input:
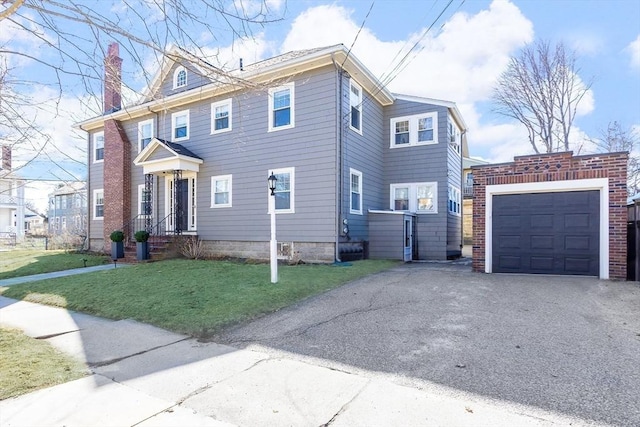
point(548, 233)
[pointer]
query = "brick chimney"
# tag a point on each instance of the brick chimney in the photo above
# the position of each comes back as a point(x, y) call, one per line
point(112, 79)
point(6, 158)
point(117, 152)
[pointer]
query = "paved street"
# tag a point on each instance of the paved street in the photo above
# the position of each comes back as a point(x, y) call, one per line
point(564, 344)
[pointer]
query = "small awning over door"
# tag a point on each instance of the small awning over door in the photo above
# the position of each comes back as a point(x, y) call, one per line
point(162, 156)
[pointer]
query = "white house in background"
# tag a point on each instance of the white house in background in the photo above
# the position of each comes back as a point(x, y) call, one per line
point(11, 197)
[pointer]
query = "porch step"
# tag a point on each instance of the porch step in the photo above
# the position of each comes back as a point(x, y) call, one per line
point(160, 247)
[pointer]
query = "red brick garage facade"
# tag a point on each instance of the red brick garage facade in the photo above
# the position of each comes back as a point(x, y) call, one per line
point(602, 175)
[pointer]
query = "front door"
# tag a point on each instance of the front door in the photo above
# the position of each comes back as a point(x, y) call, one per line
point(180, 204)
point(408, 239)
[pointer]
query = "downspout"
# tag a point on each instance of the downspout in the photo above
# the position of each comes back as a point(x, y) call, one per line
point(338, 219)
point(89, 205)
point(462, 136)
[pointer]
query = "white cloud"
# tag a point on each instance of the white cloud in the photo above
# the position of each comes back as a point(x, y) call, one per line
point(251, 50)
point(585, 44)
point(634, 52)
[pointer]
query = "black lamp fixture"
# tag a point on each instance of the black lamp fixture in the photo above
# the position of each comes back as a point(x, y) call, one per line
point(272, 183)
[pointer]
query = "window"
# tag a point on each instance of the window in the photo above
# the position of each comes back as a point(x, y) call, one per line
point(179, 77)
point(98, 147)
point(221, 191)
point(64, 202)
point(144, 201)
point(98, 204)
point(145, 133)
point(453, 136)
point(221, 116)
point(64, 223)
point(281, 107)
point(414, 197)
point(180, 125)
point(284, 193)
point(420, 129)
point(356, 192)
point(469, 179)
point(355, 101)
point(453, 204)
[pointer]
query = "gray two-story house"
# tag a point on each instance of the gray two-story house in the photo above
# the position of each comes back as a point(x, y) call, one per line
point(354, 162)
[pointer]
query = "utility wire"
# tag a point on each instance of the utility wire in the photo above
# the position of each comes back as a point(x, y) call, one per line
point(358, 33)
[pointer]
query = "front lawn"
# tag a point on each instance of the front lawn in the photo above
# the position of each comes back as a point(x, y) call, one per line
point(28, 364)
point(17, 263)
point(191, 296)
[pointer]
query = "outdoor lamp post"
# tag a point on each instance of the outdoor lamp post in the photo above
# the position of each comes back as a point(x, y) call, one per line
point(273, 244)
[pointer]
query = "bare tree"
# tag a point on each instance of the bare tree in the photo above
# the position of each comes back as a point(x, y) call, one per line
point(616, 138)
point(541, 89)
point(58, 47)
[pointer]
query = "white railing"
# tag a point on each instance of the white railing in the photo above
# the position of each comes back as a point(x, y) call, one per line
point(8, 200)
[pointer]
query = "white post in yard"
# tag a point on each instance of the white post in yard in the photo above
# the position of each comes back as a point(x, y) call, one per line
point(273, 242)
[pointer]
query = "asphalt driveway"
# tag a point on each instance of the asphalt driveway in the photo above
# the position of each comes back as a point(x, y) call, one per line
point(566, 344)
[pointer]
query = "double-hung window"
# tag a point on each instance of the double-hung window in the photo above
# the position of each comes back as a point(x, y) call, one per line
point(180, 125)
point(453, 136)
point(221, 191)
point(356, 192)
point(98, 204)
point(355, 102)
point(145, 133)
point(221, 116)
point(420, 129)
point(98, 147)
point(179, 77)
point(285, 190)
point(418, 197)
point(281, 107)
point(453, 204)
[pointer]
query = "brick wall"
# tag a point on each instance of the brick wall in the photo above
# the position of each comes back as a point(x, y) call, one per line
point(117, 178)
point(558, 167)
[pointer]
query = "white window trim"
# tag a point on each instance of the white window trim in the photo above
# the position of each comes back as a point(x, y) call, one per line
point(174, 116)
point(141, 188)
point(455, 145)
point(359, 175)
point(213, 191)
point(140, 125)
point(94, 140)
point(228, 103)
point(95, 199)
point(601, 184)
point(292, 174)
point(292, 110)
point(413, 130)
point(175, 77)
point(413, 196)
point(457, 199)
point(356, 85)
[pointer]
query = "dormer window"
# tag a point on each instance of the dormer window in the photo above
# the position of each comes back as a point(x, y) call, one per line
point(179, 77)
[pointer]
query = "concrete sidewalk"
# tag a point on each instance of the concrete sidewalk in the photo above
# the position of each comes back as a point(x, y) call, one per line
point(56, 274)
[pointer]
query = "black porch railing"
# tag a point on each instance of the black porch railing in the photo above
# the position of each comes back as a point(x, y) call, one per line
point(157, 232)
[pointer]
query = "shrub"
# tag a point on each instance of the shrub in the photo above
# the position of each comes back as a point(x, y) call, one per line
point(190, 247)
point(117, 236)
point(141, 236)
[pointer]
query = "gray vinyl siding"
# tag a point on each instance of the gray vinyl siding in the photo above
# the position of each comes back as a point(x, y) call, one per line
point(96, 174)
point(425, 163)
point(194, 80)
point(249, 152)
point(386, 237)
point(454, 222)
point(363, 153)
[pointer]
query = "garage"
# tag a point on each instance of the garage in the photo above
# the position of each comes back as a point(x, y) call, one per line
point(552, 213)
point(546, 233)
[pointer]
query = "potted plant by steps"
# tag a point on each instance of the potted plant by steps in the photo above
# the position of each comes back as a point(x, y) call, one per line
point(142, 245)
point(117, 244)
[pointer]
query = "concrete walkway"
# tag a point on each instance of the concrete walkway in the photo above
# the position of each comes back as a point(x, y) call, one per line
point(56, 274)
point(145, 376)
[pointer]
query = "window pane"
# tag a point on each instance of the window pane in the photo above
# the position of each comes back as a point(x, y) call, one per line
point(281, 99)
point(221, 198)
point(281, 117)
point(222, 123)
point(425, 198)
point(425, 135)
point(355, 118)
point(425, 123)
point(283, 200)
point(355, 201)
point(401, 197)
point(181, 80)
point(355, 183)
point(283, 191)
point(100, 154)
point(222, 186)
point(181, 132)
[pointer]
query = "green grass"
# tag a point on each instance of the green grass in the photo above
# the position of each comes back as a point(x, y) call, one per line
point(28, 364)
point(17, 263)
point(193, 297)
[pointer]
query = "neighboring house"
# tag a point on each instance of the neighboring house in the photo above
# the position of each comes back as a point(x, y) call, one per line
point(12, 218)
point(467, 197)
point(34, 223)
point(68, 209)
point(354, 162)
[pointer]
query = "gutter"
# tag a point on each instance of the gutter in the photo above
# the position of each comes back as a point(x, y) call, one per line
point(338, 220)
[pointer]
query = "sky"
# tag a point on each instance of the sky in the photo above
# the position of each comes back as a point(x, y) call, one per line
point(460, 48)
